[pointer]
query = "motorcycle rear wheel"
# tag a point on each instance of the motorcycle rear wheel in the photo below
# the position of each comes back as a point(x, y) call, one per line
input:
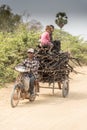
point(33, 96)
point(15, 96)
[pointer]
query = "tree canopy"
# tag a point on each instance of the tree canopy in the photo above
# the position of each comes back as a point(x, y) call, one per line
point(8, 20)
point(61, 19)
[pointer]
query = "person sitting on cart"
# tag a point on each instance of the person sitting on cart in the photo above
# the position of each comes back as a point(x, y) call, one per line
point(51, 33)
point(56, 43)
point(33, 64)
point(45, 38)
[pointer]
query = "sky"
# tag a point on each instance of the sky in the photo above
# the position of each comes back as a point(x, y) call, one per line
point(45, 11)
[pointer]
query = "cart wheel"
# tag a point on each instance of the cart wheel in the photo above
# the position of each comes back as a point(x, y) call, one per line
point(65, 88)
point(15, 96)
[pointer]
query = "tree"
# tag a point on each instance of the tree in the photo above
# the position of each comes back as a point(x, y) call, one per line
point(8, 20)
point(61, 19)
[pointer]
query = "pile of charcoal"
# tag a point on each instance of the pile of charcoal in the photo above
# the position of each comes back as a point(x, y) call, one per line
point(54, 66)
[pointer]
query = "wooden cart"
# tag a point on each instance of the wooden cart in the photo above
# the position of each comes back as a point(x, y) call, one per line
point(54, 68)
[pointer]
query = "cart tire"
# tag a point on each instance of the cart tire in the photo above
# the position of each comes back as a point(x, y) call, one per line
point(15, 96)
point(65, 88)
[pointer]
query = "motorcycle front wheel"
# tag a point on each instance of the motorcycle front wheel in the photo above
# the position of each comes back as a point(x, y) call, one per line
point(15, 95)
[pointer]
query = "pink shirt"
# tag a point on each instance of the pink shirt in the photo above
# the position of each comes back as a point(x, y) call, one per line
point(45, 38)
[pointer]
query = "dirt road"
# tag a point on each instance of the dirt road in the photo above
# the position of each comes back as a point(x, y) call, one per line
point(48, 112)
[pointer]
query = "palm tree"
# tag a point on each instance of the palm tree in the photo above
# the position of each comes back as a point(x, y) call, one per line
point(61, 19)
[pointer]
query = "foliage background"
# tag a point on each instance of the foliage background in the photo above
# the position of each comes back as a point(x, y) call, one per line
point(14, 45)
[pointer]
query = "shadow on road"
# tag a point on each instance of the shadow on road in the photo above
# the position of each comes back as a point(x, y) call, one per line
point(44, 99)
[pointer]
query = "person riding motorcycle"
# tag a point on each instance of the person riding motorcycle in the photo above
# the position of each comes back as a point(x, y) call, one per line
point(33, 64)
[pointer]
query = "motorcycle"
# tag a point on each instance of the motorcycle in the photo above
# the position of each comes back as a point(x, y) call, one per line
point(21, 87)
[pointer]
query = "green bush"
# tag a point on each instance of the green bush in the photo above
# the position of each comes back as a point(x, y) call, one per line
point(13, 48)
